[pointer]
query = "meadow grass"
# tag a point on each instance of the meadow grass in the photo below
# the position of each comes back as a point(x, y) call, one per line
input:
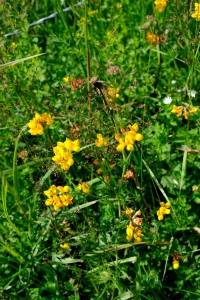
point(100, 150)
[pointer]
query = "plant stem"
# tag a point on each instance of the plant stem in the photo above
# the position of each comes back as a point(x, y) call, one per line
point(87, 56)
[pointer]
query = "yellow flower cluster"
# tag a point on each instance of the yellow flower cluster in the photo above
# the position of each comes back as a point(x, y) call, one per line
point(132, 229)
point(152, 38)
point(178, 110)
point(163, 210)
point(160, 5)
point(37, 124)
point(84, 186)
point(63, 155)
point(112, 94)
point(196, 14)
point(58, 197)
point(101, 141)
point(130, 137)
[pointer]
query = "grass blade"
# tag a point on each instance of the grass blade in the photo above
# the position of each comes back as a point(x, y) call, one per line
point(12, 63)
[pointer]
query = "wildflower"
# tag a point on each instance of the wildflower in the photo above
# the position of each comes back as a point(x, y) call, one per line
point(58, 197)
point(96, 162)
point(66, 79)
point(177, 110)
point(129, 232)
point(192, 110)
point(186, 110)
point(173, 81)
point(77, 84)
point(128, 211)
point(112, 94)
point(186, 114)
point(152, 38)
point(119, 5)
point(65, 246)
point(129, 175)
point(130, 137)
point(63, 155)
point(133, 230)
point(160, 5)
point(163, 210)
point(196, 14)
point(175, 264)
point(99, 171)
point(100, 142)
point(192, 93)
point(37, 124)
point(84, 186)
point(167, 100)
point(176, 257)
point(113, 70)
point(23, 154)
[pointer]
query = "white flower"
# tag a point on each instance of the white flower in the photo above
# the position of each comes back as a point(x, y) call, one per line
point(181, 90)
point(192, 93)
point(167, 100)
point(173, 81)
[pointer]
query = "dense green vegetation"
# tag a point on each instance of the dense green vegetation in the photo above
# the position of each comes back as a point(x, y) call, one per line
point(113, 211)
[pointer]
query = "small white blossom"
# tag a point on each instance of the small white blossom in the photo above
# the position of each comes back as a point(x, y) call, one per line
point(192, 93)
point(167, 100)
point(181, 90)
point(173, 81)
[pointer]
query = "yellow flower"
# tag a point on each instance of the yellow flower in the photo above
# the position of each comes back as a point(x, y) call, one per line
point(187, 111)
point(37, 124)
point(192, 110)
point(100, 142)
point(112, 94)
point(129, 232)
point(186, 115)
point(134, 127)
point(196, 14)
point(128, 211)
point(99, 171)
point(160, 5)
point(130, 137)
point(66, 79)
point(84, 186)
point(163, 210)
point(152, 38)
point(121, 145)
point(65, 246)
point(175, 264)
point(57, 197)
point(177, 110)
point(63, 155)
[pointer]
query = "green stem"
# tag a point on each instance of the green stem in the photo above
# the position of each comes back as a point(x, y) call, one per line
point(87, 55)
